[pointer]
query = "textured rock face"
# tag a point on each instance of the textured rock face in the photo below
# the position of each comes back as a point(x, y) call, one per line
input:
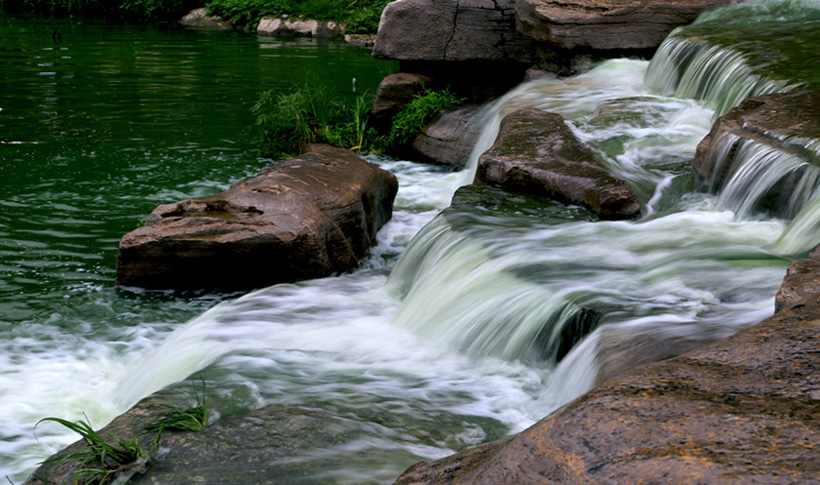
point(781, 121)
point(802, 281)
point(450, 139)
point(606, 24)
point(309, 28)
point(311, 216)
point(536, 152)
point(744, 410)
point(452, 30)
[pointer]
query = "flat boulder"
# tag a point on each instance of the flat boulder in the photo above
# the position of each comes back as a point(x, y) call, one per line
point(537, 153)
point(452, 30)
point(606, 24)
point(744, 410)
point(311, 216)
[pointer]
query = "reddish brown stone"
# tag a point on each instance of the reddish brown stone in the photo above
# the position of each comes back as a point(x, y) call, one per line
point(311, 216)
point(536, 152)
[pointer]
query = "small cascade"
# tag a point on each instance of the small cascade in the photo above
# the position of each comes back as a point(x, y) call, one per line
point(740, 50)
point(768, 178)
point(463, 296)
point(721, 77)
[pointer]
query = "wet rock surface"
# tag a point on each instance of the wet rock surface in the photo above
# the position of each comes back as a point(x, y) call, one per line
point(537, 153)
point(261, 446)
point(744, 410)
point(780, 121)
point(452, 30)
point(608, 24)
point(802, 281)
point(311, 216)
point(450, 139)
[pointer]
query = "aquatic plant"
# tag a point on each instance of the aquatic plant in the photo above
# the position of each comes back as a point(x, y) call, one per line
point(194, 418)
point(103, 459)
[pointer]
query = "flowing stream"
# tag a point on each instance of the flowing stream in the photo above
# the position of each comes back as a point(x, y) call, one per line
point(455, 330)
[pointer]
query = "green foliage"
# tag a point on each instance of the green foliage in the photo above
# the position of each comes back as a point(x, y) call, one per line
point(184, 419)
point(415, 115)
point(359, 16)
point(137, 10)
point(311, 114)
point(102, 459)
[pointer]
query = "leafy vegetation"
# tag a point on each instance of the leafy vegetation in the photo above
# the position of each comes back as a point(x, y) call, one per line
point(114, 460)
point(312, 114)
point(184, 419)
point(414, 116)
point(134, 10)
point(103, 458)
point(358, 16)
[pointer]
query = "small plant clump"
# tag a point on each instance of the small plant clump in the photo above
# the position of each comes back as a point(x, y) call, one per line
point(184, 419)
point(113, 460)
point(312, 114)
point(423, 109)
point(103, 459)
point(358, 16)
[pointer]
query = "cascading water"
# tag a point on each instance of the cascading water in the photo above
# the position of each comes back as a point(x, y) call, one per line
point(463, 337)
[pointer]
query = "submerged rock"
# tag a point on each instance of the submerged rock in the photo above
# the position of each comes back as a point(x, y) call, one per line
point(606, 25)
point(744, 410)
point(257, 446)
point(311, 216)
point(536, 152)
point(785, 122)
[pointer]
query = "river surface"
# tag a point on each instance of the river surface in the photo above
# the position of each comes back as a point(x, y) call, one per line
point(447, 337)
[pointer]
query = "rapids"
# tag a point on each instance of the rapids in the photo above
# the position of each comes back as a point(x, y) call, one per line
point(450, 334)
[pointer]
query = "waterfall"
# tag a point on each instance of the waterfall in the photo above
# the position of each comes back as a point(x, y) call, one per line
point(719, 76)
point(740, 50)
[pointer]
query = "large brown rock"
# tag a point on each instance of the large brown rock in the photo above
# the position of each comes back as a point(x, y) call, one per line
point(311, 216)
point(606, 24)
point(537, 153)
point(452, 30)
point(802, 281)
point(782, 121)
point(745, 410)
